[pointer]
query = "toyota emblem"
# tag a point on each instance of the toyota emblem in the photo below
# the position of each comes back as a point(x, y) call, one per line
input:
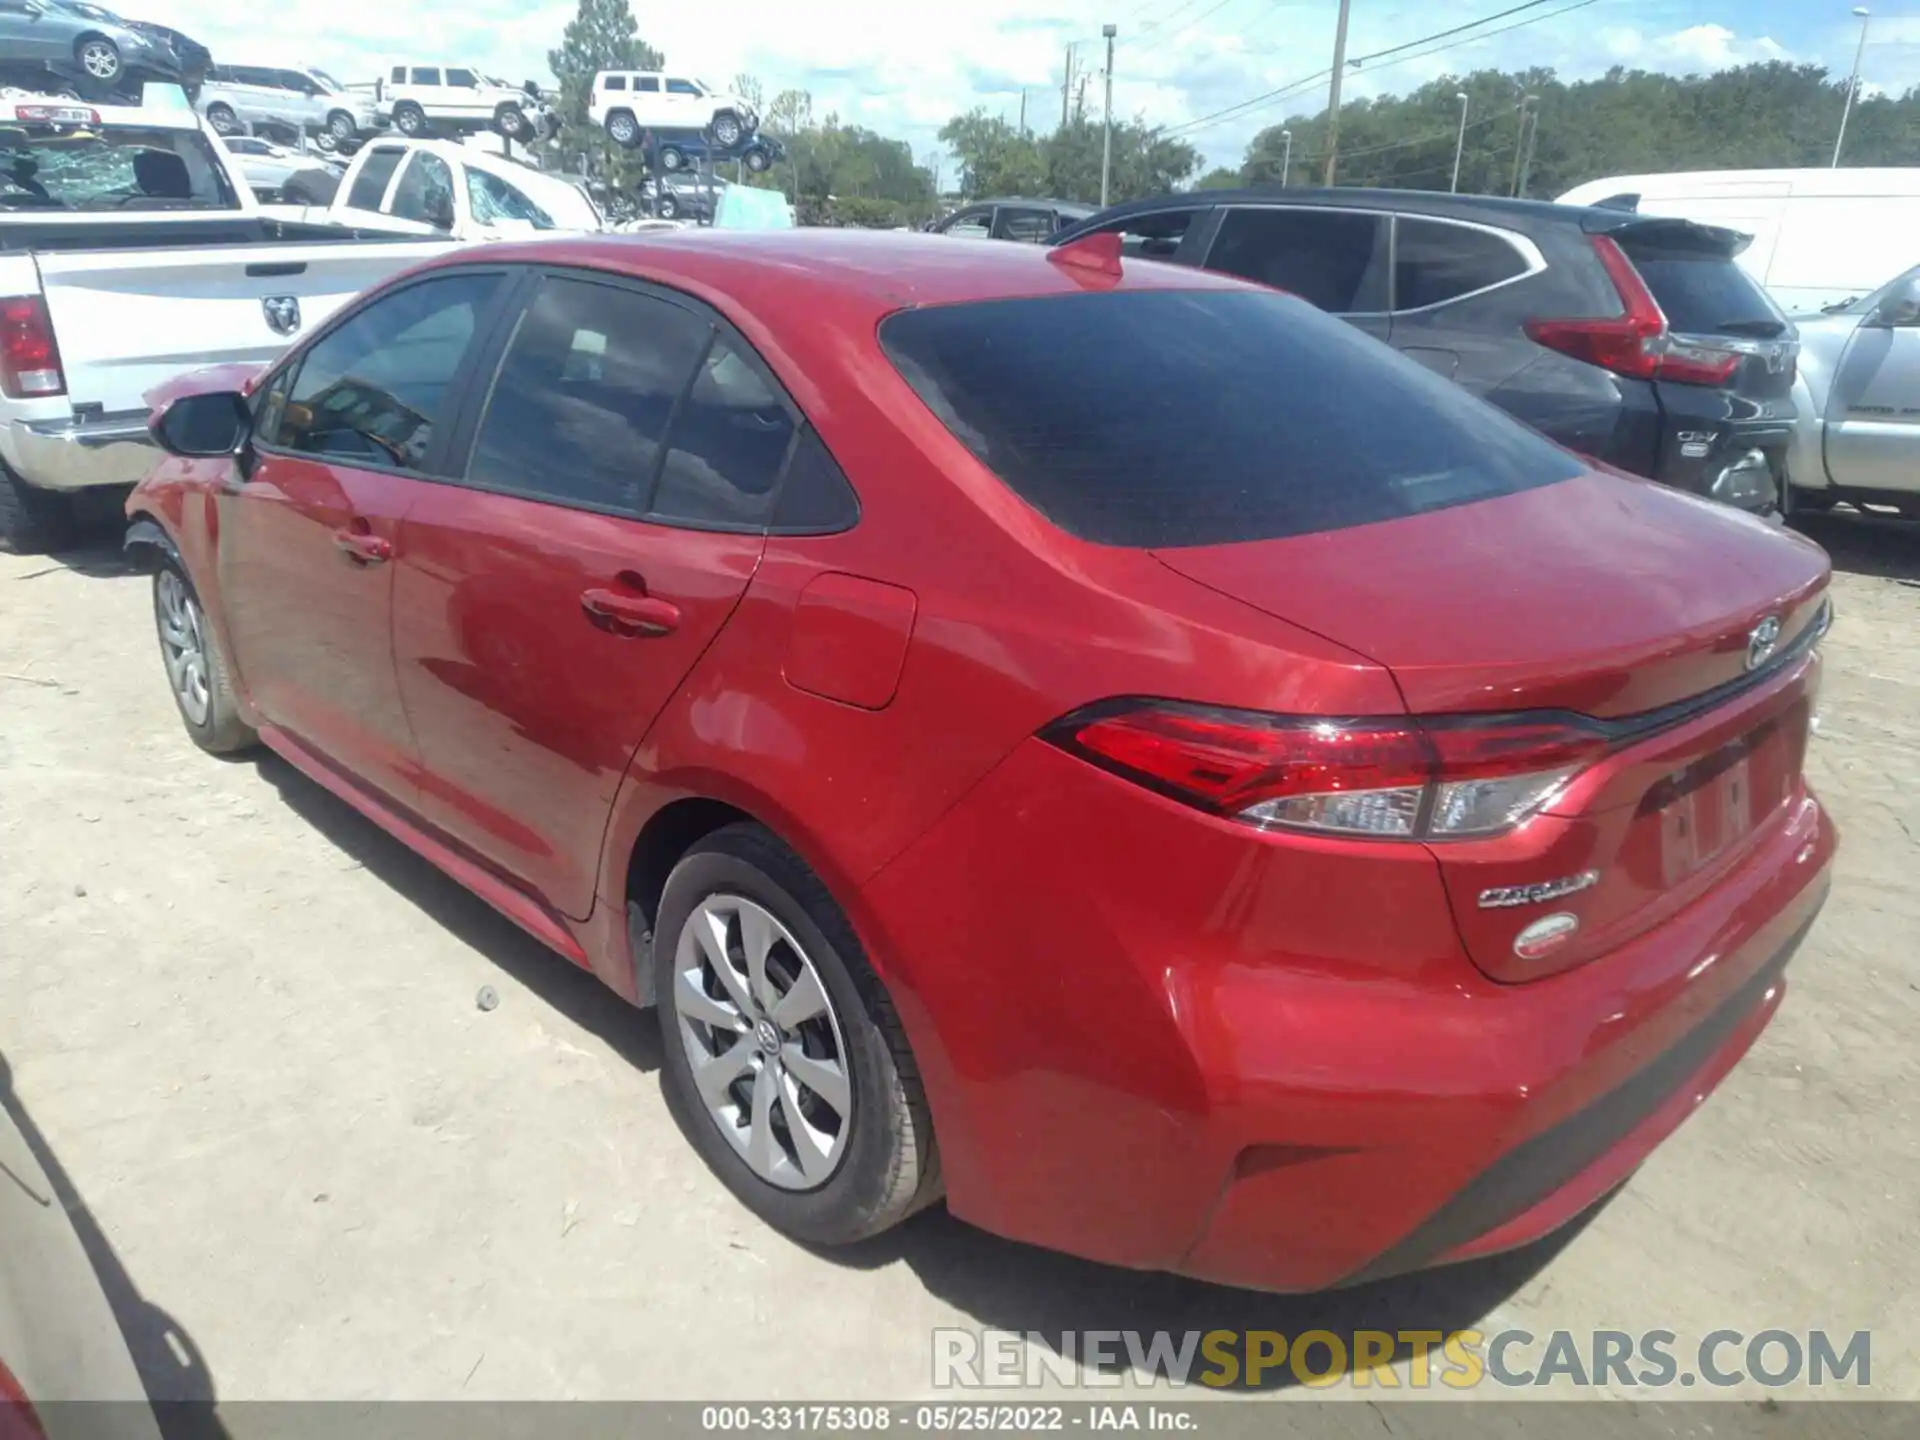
point(1762, 640)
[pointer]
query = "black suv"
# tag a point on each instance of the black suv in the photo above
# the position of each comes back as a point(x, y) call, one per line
point(1631, 339)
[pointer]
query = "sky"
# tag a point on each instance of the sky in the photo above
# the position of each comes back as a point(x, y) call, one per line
point(904, 67)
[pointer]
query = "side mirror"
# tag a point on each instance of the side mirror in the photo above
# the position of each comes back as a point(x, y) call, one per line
point(203, 426)
point(1900, 310)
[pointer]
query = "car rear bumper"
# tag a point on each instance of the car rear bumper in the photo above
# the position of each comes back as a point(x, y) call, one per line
point(1130, 1064)
point(80, 454)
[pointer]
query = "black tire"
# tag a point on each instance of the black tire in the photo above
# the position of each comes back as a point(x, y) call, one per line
point(99, 57)
point(666, 207)
point(1808, 502)
point(220, 731)
point(410, 120)
point(511, 122)
point(341, 126)
point(727, 131)
point(758, 161)
point(889, 1167)
point(623, 129)
point(672, 157)
point(223, 120)
point(34, 521)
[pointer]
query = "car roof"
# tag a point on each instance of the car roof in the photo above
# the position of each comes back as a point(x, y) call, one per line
point(1075, 207)
point(848, 278)
point(1521, 214)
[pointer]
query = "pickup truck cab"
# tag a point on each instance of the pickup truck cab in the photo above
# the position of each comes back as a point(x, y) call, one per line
point(453, 191)
point(131, 248)
point(1858, 397)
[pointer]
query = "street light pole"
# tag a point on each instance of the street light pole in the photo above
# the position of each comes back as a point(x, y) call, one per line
point(1853, 82)
point(1286, 157)
point(1106, 147)
point(1520, 144)
point(1460, 144)
point(1333, 93)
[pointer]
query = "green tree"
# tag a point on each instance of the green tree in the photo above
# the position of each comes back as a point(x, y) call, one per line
point(1218, 178)
point(995, 158)
point(602, 35)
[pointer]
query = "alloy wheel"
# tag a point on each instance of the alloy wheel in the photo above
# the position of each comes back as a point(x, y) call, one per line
point(183, 646)
point(763, 1042)
point(99, 59)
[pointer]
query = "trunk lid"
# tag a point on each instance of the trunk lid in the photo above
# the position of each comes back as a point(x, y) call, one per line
point(1605, 597)
point(126, 320)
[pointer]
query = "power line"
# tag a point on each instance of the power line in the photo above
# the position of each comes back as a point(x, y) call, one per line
point(1293, 87)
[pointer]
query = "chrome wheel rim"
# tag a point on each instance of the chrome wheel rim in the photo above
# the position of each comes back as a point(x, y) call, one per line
point(622, 129)
point(763, 1042)
point(183, 645)
point(726, 131)
point(100, 59)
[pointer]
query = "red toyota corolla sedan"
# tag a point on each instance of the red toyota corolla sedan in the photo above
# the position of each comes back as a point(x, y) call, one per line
point(1103, 743)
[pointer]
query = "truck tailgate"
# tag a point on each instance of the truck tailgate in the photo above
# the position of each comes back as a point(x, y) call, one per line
point(127, 319)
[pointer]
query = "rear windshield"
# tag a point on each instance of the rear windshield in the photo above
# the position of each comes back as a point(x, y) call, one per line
point(1704, 293)
point(1163, 418)
point(126, 168)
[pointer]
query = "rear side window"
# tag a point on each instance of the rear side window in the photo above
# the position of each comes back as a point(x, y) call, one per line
point(1334, 259)
point(426, 75)
point(616, 82)
point(969, 224)
point(583, 397)
point(1434, 262)
point(1031, 226)
point(370, 185)
point(1703, 292)
point(729, 440)
point(1161, 418)
point(815, 497)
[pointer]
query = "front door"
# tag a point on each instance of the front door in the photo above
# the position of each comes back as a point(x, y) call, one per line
point(549, 605)
point(1873, 405)
point(310, 532)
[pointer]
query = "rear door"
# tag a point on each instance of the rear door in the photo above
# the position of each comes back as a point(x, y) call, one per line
point(1335, 258)
point(549, 603)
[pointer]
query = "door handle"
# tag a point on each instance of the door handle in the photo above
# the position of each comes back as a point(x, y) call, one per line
point(363, 547)
point(638, 615)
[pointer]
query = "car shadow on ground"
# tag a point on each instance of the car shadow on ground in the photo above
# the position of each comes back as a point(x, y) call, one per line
point(1866, 544)
point(171, 1368)
point(573, 992)
point(1004, 1285)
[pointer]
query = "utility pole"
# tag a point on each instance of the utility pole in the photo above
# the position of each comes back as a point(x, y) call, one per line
point(1460, 144)
point(1853, 82)
point(1533, 140)
point(1106, 146)
point(1286, 157)
point(1023, 111)
point(1333, 94)
point(1520, 144)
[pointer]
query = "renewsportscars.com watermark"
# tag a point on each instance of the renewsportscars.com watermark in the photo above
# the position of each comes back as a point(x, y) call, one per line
point(1455, 1360)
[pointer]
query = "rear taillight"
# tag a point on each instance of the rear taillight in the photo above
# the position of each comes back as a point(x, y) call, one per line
point(1637, 343)
point(29, 360)
point(1401, 778)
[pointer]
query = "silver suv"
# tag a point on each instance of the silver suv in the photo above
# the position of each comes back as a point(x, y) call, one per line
point(237, 97)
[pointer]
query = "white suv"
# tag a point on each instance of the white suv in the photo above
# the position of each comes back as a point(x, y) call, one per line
point(420, 98)
point(628, 102)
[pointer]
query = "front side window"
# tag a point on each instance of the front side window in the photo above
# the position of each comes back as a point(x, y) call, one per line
point(969, 224)
point(462, 77)
point(492, 200)
point(728, 442)
point(616, 82)
point(425, 192)
point(682, 87)
point(1434, 262)
point(373, 391)
point(647, 84)
point(1162, 418)
point(581, 403)
point(370, 185)
point(1329, 258)
point(1014, 223)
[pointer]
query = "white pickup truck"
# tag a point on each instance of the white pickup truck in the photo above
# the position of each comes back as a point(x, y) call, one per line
point(132, 249)
point(449, 190)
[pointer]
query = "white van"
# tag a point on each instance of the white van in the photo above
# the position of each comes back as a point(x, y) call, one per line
point(1819, 236)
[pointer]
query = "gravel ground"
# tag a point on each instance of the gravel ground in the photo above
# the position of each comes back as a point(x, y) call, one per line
point(245, 1023)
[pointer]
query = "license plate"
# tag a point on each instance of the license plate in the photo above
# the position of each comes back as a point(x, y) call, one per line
point(1719, 799)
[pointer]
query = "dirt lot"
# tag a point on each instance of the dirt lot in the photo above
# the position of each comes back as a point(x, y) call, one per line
point(245, 1022)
